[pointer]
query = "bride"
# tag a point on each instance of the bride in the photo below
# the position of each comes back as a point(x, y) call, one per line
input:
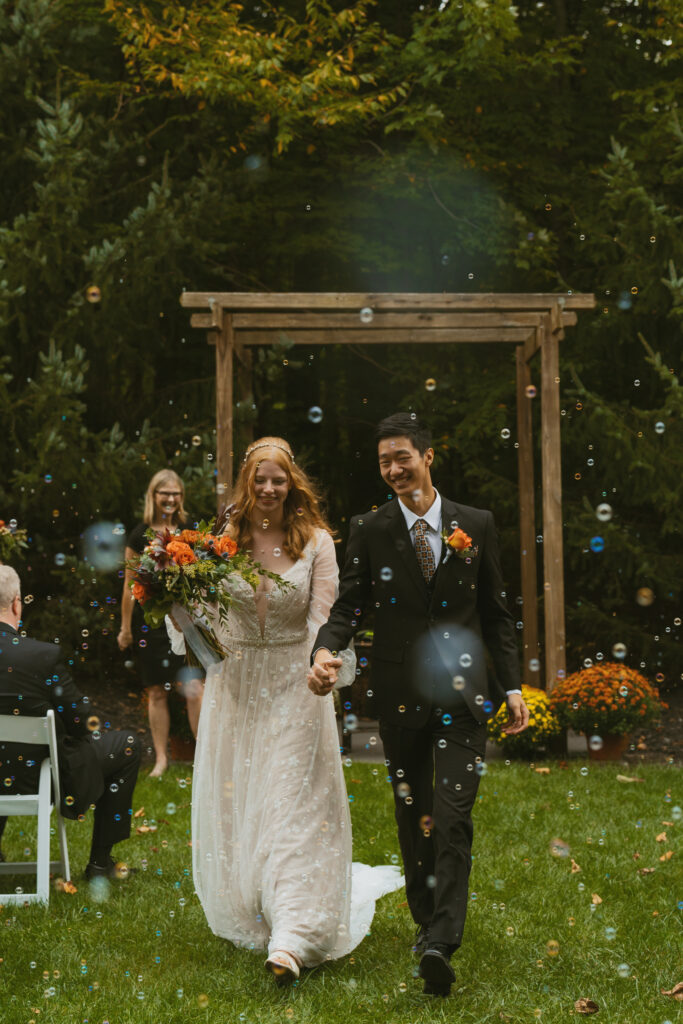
point(271, 828)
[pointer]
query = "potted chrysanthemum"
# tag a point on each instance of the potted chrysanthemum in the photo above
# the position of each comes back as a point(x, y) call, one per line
point(543, 725)
point(606, 702)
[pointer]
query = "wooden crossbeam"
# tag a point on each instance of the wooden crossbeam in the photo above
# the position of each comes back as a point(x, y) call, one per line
point(386, 301)
point(352, 322)
point(420, 336)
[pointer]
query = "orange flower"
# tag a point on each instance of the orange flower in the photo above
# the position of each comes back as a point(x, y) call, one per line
point(182, 554)
point(225, 546)
point(189, 536)
point(140, 593)
point(459, 540)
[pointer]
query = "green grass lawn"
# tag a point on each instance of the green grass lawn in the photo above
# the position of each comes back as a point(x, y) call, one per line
point(145, 953)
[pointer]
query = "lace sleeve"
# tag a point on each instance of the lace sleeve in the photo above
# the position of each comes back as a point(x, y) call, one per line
point(324, 589)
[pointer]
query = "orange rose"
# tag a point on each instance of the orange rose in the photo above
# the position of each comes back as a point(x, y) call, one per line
point(225, 546)
point(140, 593)
point(189, 536)
point(459, 540)
point(182, 554)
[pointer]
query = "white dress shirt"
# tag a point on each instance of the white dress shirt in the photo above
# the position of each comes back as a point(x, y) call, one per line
point(432, 518)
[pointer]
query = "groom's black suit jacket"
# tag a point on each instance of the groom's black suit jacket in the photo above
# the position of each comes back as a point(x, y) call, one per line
point(428, 647)
point(34, 678)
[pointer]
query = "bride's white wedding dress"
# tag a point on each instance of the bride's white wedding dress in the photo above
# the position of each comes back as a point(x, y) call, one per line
point(271, 830)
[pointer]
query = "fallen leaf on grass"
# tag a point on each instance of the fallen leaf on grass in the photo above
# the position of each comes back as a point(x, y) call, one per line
point(575, 867)
point(670, 823)
point(358, 781)
point(65, 886)
point(542, 771)
point(586, 1006)
point(140, 811)
point(595, 899)
point(667, 856)
point(636, 856)
point(629, 778)
point(676, 991)
point(661, 838)
point(141, 829)
point(646, 871)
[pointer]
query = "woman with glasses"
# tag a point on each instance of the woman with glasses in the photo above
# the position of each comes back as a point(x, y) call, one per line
point(159, 668)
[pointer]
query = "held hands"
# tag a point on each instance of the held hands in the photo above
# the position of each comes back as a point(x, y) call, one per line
point(518, 715)
point(323, 674)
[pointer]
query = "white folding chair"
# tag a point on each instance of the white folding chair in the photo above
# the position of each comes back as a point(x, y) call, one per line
point(24, 729)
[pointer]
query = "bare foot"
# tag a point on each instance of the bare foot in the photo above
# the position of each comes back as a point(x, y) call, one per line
point(158, 769)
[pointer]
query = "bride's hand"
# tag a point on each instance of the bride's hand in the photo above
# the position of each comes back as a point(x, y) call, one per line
point(323, 674)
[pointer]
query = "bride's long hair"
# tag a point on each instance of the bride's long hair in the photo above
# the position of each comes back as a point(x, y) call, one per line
point(302, 512)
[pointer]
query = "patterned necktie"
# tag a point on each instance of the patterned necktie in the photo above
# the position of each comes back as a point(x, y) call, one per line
point(425, 555)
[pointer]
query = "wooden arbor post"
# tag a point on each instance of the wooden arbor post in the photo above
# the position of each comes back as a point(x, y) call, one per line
point(236, 321)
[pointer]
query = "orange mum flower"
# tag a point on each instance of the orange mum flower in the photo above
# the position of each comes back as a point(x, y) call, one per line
point(225, 546)
point(182, 554)
point(140, 593)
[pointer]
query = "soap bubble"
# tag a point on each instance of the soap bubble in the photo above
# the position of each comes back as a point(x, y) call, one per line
point(430, 384)
point(60, 558)
point(604, 512)
point(530, 391)
point(366, 315)
point(315, 414)
point(505, 433)
point(552, 947)
point(196, 440)
point(93, 293)
point(659, 427)
point(623, 970)
point(386, 573)
point(645, 596)
point(595, 742)
point(597, 544)
point(103, 546)
point(619, 650)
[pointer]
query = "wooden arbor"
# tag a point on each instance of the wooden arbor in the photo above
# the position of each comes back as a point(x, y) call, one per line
point(533, 323)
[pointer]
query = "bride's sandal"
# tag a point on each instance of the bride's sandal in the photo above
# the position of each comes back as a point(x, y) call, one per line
point(283, 966)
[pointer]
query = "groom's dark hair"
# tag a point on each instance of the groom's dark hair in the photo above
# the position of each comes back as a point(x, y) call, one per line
point(405, 424)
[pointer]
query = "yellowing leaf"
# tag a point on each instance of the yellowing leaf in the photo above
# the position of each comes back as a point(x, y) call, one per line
point(661, 838)
point(575, 867)
point(676, 991)
point(667, 856)
point(595, 899)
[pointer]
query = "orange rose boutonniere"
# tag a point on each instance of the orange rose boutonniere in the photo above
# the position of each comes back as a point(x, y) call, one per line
point(459, 543)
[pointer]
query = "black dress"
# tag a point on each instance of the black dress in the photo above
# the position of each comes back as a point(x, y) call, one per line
point(155, 662)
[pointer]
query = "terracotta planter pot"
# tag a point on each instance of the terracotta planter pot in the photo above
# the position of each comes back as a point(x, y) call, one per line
point(612, 748)
point(181, 749)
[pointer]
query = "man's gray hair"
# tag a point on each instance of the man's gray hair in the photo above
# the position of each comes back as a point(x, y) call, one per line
point(10, 586)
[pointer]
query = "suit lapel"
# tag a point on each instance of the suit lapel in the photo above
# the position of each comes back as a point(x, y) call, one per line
point(449, 513)
point(396, 525)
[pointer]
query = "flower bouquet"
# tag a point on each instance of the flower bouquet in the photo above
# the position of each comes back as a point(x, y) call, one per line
point(181, 575)
point(605, 699)
point(12, 539)
point(543, 724)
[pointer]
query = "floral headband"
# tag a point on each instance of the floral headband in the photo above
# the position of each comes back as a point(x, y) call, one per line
point(266, 444)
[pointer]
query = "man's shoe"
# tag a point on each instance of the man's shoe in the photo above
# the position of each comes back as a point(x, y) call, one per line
point(435, 968)
point(421, 940)
point(115, 870)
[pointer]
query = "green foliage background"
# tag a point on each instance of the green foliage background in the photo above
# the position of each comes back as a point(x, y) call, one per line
point(316, 146)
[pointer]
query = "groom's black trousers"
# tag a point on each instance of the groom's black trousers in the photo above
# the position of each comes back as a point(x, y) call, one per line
point(438, 762)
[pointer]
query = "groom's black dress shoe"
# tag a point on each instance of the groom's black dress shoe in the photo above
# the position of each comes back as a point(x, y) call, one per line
point(421, 940)
point(116, 870)
point(435, 968)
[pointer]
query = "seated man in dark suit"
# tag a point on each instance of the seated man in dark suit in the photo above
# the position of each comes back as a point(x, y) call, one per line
point(95, 769)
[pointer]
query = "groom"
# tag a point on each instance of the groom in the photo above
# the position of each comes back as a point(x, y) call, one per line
point(435, 608)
